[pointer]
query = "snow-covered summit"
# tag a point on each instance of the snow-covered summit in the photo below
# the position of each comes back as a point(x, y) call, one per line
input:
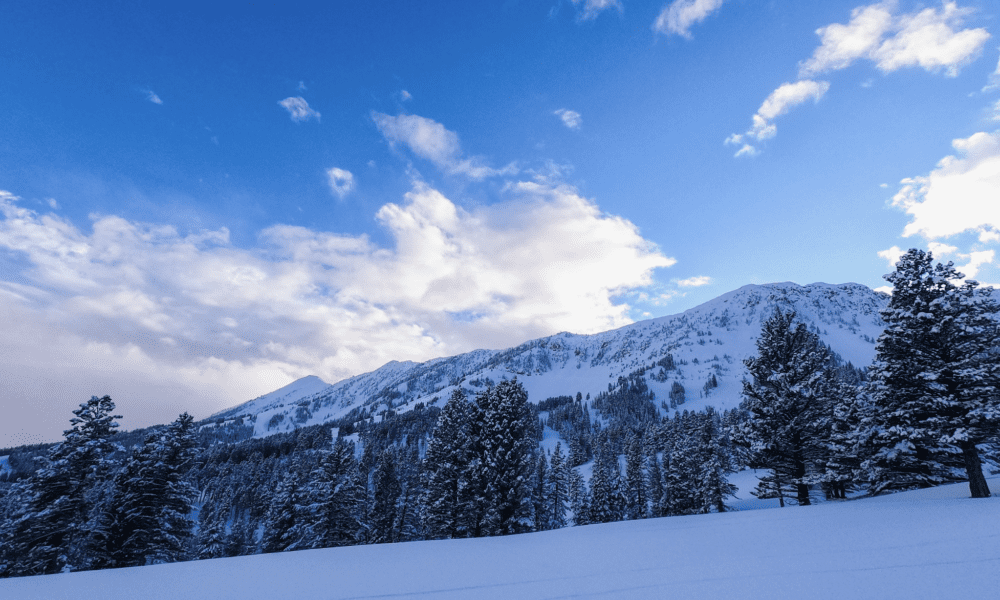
point(711, 339)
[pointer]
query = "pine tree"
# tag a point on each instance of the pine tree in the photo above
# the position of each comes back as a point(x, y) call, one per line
point(55, 531)
point(506, 458)
point(334, 500)
point(935, 378)
point(636, 505)
point(282, 516)
point(539, 493)
point(147, 519)
point(212, 531)
point(605, 496)
point(654, 485)
point(713, 487)
point(788, 405)
point(447, 470)
point(579, 498)
point(386, 495)
point(558, 489)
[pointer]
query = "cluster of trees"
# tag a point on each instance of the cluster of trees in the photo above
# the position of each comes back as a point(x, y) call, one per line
point(916, 419)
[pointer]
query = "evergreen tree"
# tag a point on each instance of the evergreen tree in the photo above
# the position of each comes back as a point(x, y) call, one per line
point(539, 493)
point(212, 540)
point(605, 497)
point(334, 500)
point(635, 480)
point(654, 485)
point(506, 458)
point(935, 378)
point(147, 519)
point(386, 495)
point(788, 405)
point(447, 470)
point(713, 487)
point(283, 516)
point(558, 489)
point(55, 531)
point(579, 498)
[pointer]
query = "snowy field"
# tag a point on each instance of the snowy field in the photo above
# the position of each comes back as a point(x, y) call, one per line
point(930, 544)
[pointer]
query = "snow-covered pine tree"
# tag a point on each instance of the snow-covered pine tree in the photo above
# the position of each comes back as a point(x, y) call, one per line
point(935, 379)
point(212, 540)
point(334, 499)
point(654, 485)
point(282, 516)
point(447, 463)
point(558, 489)
point(605, 498)
point(787, 402)
point(539, 493)
point(147, 518)
point(636, 504)
point(386, 494)
point(712, 486)
point(506, 458)
point(579, 498)
point(53, 533)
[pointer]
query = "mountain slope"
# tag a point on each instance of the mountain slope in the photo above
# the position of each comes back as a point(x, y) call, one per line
point(710, 339)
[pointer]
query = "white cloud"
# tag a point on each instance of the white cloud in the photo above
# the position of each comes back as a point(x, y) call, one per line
point(341, 181)
point(592, 8)
point(938, 249)
point(746, 150)
point(928, 38)
point(843, 44)
point(678, 16)
point(166, 321)
point(405, 95)
point(430, 140)
point(697, 281)
point(891, 256)
point(302, 86)
point(781, 100)
point(960, 195)
point(152, 97)
point(976, 261)
point(299, 109)
point(570, 118)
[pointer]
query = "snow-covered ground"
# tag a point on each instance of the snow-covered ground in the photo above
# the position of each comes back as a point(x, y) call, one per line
point(932, 544)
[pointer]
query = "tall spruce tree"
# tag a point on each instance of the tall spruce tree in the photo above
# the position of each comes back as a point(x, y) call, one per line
point(387, 491)
point(282, 516)
point(934, 384)
point(787, 402)
point(55, 531)
point(506, 458)
point(334, 500)
point(447, 471)
point(558, 489)
point(147, 518)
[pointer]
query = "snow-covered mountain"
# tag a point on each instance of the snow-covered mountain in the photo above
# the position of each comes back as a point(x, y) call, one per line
point(710, 339)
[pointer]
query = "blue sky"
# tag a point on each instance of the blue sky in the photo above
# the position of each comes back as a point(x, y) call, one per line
point(204, 202)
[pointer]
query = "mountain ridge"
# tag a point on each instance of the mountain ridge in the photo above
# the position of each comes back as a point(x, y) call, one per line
point(706, 341)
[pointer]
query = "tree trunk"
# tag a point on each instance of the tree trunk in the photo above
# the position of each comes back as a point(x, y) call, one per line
point(974, 469)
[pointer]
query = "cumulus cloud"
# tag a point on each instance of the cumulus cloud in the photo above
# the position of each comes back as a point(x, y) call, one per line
point(405, 95)
point(680, 15)
point(341, 181)
point(430, 140)
point(930, 38)
point(589, 9)
point(927, 38)
point(152, 97)
point(696, 281)
point(570, 118)
point(168, 321)
point(299, 109)
point(959, 195)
